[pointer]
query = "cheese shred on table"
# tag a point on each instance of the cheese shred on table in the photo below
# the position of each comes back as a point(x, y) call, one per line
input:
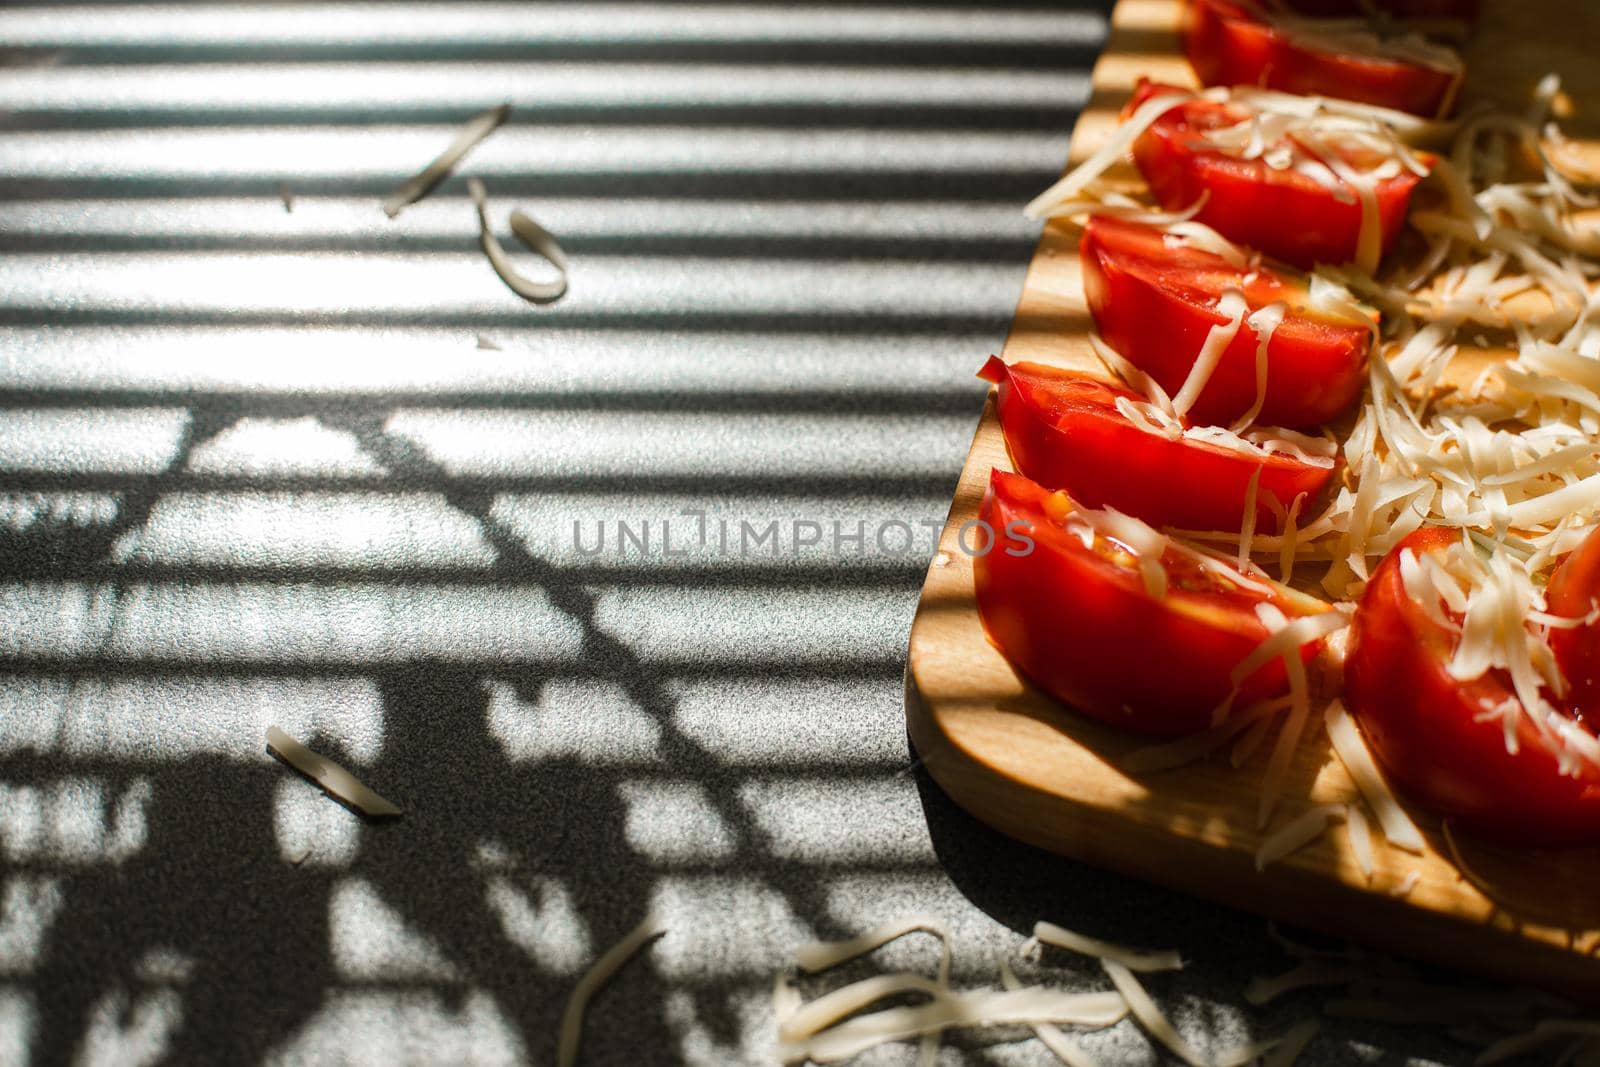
point(597, 976)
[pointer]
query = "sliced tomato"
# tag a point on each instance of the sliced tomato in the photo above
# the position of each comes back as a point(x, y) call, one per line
point(1064, 431)
point(1078, 621)
point(1155, 302)
point(1283, 213)
point(1573, 592)
point(1422, 725)
point(1233, 42)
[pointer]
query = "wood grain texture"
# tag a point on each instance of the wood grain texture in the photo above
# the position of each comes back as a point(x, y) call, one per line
point(1032, 769)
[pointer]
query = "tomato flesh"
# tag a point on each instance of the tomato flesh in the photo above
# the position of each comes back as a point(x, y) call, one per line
point(1573, 591)
point(1230, 43)
point(1283, 213)
point(1078, 622)
point(1420, 723)
point(1063, 430)
point(1155, 305)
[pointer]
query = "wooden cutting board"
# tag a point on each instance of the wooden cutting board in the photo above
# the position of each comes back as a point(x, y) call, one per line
point(1032, 769)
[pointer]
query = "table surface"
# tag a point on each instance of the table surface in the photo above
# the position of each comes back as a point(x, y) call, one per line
point(268, 457)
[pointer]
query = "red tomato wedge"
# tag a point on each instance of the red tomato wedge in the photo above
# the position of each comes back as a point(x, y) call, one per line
point(1155, 303)
point(1283, 213)
point(1078, 621)
point(1064, 431)
point(1234, 42)
point(1573, 592)
point(1422, 727)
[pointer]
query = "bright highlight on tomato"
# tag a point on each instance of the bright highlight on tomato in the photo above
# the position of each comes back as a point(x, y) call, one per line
point(1281, 212)
point(1235, 42)
point(1071, 610)
point(1064, 431)
point(1434, 735)
point(1154, 300)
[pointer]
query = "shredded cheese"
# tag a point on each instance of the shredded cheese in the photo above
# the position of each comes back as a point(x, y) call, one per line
point(1076, 180)
point(1545, 1031)
point(1355, 824)
point(821, 955)
point(1398, 829)
point(334, 779)
point(1291, 637)
point(1294, 1043)
point(1133, 959)
point(1406, 884)
point(952, 1010)
point(1288, 742)
point(1297, 834)
point(1249, 742)
point(1149, 1015)
point(786, 1000)
point(1303, 975)
point(417, 187)
point(1195, 746)
point(1063, 1047)
point(828, 1009)
point(1265, 323)
point(597, 976)
point(1143, 541)
point(1233, 307)
point(530, 233)
point(1247, 529)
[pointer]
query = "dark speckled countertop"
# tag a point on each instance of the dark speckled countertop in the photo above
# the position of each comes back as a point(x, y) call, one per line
point(319, 469)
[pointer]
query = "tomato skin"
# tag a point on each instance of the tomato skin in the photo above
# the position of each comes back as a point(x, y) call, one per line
point(1229, 44)
point(1155, 306)
point(1572, 592)
point(1084, 630)
point(1063, 430)
point(1284, 214)
point(1418, 722)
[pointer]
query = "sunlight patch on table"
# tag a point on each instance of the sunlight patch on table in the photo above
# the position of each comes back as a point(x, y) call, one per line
point(307, 531)
point(675, 822)
point(790, 723)
point(18, 1018)
point(84, 440)
point(371, 940)
point(260, 447)
point(701, 942)
point(540, 916)
point(73, 821)
point(592, 721)
point(39, 512)
point(756, 625)
point(282, 623)
point(751, 1011)
point(414, 1028)
point(30, 905)
point(159, 720)
point(130, 1032)
point(309, 829)
point(819, 820)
